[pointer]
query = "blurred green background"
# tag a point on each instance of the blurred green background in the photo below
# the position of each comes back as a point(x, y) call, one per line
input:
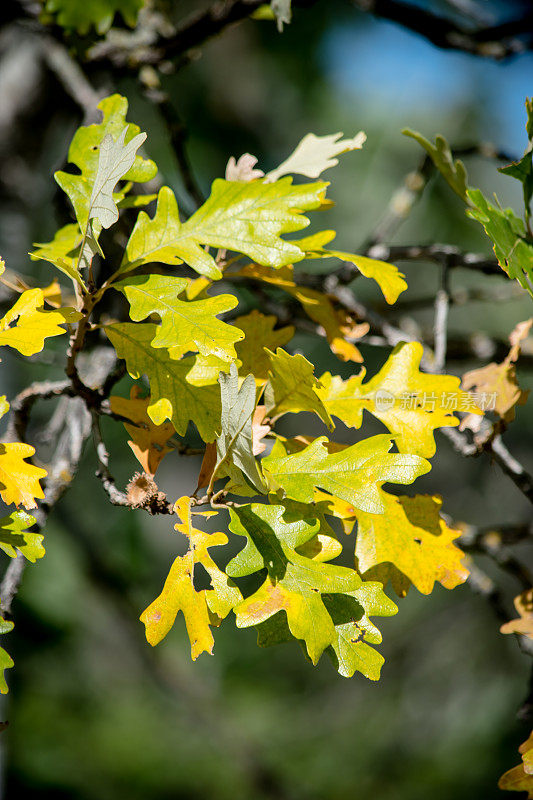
point(95, 713)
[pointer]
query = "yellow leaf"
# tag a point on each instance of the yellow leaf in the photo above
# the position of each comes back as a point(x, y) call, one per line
point(338, 326)
point(410, 540)
point(19, 481)
point(148, 440)
point(411, 404)
point(200, 608)
point(25, 326)
point(259, 334)
point(179, 594)
point(388, 277)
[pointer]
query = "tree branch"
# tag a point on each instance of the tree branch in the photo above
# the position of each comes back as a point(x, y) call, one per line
point(497, 42)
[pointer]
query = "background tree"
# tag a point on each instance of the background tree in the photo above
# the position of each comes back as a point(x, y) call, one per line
point(254, 90)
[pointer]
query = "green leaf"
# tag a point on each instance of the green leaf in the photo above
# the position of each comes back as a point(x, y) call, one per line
point(186, 325)
point(85, 150)
point(314, 154)
point(238, 215)
point(507, 233)
point(354, 473)
point(522, 170)
point(350, 650)
point(14, 535)
point(234, 445)
point(81, 16)
point(292, 387)
point(172, 396)
point(453, 172)
point(62, 251)
point(301, 594)
point(6, 662)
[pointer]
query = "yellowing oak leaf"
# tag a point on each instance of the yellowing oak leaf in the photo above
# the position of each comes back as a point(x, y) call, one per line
point(26, 325)
point(259, 333)
point(388, 277)
point(200, 608)
point(292, 387)
point(496, 384)
point(248, 217)
point(409, 540)
point(520, 778)
point(148, 441)
point(339, 328)
point(412, 404)
point(314, 154)
point(324, 605)
point(354, 474)
point(524, 623)
point(171, 395)
point(15, 536)
point(19, 481)
point(186, 325)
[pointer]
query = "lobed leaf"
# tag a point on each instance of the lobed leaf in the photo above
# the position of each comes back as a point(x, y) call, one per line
point(186, 325)
point(247, 217)
point(26, 326)
point(171, 395)
point(410, 403)
point(409, 543)
point(354, 474)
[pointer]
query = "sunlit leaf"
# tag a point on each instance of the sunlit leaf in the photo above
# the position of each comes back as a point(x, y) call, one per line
point(171, 395)
point(409, 540)
point(412, 404)
point(186, 325)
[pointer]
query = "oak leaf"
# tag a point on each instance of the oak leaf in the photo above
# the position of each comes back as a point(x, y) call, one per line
point(248, 217)
point(6, 662)
point(14, 535)
point(171, 395)
point(26, 325)
point(410, 403)
point(201, 609)
point(499, 381)
point(524, 623)
point(148, 441)
point(186, 325)
point(520, 778)
point(235, 457)
point(19, 481)
point(259, 333)
point(302, 596)
point(354, 474)
point(314, 154)
point(388, 277)
point(338, 325)
point(292, 387)
point(409, 543)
